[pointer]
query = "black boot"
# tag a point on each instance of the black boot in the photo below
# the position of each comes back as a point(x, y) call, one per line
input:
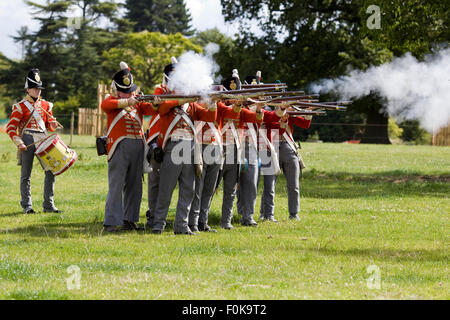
point(129, 226)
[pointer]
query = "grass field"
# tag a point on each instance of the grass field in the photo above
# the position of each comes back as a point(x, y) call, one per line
point(362, 206)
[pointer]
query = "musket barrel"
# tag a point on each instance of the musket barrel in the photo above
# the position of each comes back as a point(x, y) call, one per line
point(305, 97)
point(284, 93)
point(320, 106)
point(343, 103)
point(264, 85)
point(306, 113)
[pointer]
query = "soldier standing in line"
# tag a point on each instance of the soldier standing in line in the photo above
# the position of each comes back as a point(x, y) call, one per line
point(231, 137)
point(290, 163)
point(125, 147)
point(177, 139)
point(212, 149)
point(155, 154)
point(248, 183)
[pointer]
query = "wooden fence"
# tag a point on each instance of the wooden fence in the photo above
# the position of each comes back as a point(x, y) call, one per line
point(442, 138)
point(93, 121)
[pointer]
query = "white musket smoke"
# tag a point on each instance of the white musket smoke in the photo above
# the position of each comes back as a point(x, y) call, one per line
point(413, 90)
point(194, 73)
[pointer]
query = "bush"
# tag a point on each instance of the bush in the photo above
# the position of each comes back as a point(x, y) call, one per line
point(394, 131)
point(413, 133)
point(63, 110)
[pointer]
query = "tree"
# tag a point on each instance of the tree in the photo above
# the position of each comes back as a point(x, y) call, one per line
point(305, 41)
point(42, 49)
point(147, 53)
point(5, 102)
point(165, 16)
point(416, 26)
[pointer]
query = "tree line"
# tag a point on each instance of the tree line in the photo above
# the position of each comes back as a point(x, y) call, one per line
point(80, 43)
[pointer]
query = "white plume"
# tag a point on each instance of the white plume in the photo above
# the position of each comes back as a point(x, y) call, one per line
point(413, 90)
point(123, 66)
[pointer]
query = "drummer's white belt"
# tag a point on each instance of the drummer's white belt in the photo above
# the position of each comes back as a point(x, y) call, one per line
point(36, 115)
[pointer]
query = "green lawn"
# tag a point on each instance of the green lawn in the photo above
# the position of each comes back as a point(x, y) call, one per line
point(361, 205)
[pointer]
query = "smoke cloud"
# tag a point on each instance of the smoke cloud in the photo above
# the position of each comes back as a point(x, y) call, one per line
point(413, 90)
point(194, 73)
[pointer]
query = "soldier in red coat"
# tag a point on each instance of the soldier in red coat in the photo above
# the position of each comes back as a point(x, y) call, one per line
point(248, 183)
point(232, 132)
point(125, 146)
point(213, 158)
point(154, 154)
point(177, 139)
point(29, 123)
point(289, 161)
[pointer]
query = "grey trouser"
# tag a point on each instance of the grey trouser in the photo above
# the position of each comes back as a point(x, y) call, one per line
point(248, 189)
point(204, 190)
point(125, 183)
point(230, 174)
point(289, 164)
point(268, 195)
point(171, 173)
point(153, 189)
point(25, 175)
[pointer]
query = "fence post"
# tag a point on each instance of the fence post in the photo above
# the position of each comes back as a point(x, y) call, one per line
point(80, 121)
point(72, 120)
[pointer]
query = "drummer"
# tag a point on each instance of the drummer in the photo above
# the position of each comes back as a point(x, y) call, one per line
point(29, 123)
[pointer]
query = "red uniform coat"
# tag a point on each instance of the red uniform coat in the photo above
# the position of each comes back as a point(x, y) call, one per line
point(245, 116)
point(281, 125)
point(21, 114)
point(168, 113)
point(155, 125)
point(127, 126)
point(269, 117)
point(224, 113)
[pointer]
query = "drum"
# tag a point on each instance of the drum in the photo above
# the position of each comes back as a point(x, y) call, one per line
point(55, 155)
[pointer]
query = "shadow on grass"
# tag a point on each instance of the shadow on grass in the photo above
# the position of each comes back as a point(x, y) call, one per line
point(346, 185)
point(60, 230)
point(12, 214)
point(69, 230)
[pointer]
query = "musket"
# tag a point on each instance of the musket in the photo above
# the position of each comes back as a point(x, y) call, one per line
point(230, 94)
point(283, 93)
point(319, 106)
point(339, 103)
point(306, 113)
point(265, 85)
point(293, 98)
point(167, 97)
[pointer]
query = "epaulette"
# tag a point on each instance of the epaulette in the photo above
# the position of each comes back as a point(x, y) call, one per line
point(17, 106)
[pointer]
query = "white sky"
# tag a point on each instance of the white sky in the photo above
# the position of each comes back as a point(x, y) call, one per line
point(206, 14)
